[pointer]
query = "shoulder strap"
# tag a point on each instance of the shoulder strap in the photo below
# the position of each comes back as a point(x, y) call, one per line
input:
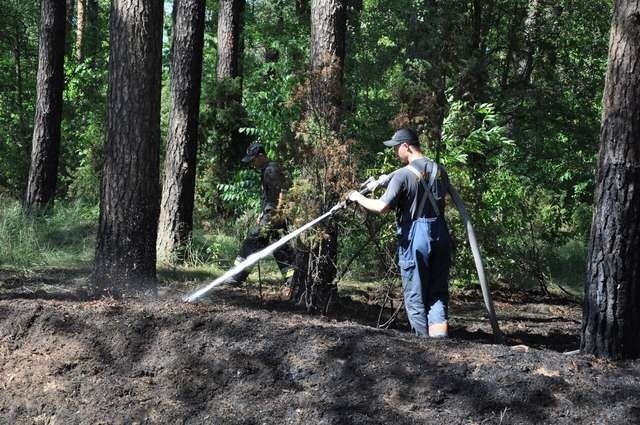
point(427, 189)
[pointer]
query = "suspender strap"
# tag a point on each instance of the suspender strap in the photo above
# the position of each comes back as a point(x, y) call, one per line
point(427, 189)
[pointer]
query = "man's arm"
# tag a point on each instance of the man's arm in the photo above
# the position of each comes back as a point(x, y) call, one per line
point(374, 205)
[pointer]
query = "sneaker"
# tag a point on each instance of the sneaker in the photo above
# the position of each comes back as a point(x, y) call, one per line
point(439, 330)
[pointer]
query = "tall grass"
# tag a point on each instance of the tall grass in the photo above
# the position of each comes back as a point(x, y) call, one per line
point(65, 237)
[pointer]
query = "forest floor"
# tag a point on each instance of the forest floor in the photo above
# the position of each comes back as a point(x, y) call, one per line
point(240, 357)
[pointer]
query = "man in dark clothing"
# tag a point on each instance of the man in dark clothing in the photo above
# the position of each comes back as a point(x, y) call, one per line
point(416, 192)
point(271, 225)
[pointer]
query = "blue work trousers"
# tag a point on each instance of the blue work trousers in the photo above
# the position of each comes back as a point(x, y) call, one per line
point(424, 260)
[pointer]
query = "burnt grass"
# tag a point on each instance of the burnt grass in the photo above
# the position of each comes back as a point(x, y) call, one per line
point(247, 357)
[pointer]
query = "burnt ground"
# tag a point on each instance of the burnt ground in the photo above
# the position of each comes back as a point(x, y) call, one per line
point(238, 358)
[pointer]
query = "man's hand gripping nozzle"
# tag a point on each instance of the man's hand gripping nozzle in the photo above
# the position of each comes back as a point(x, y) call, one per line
point(368, 186)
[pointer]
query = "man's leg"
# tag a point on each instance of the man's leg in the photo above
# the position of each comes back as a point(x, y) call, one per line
point(413, 302)
point(412, 253)
point(255, 241)
point(285, 257)
point(437, 285)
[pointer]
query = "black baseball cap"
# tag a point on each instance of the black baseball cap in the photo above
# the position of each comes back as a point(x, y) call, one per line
point(252, 151)
point(404, 135)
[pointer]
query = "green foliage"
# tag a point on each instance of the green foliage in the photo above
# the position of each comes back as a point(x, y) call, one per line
point(519, 141)
point(82, 131)
point(18, 65)
point(242, 192)
point(473, 131)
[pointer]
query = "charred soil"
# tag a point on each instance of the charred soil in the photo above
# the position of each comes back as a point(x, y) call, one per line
point(241, 357)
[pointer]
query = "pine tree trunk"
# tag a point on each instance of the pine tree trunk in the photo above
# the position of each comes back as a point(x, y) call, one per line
point(229, 91)
point(176, 210)
point(328, 31)
point(45, 146)
point(129, 205)
point(611, 317)
point(316, 264)
point(229, 29)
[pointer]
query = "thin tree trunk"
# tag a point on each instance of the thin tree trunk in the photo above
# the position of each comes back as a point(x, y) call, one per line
point(129, 204)
point(81, 27)
point(22, 121)
point(45, 148)
point(92, 31)
point(178, 189)
point(525, 68)
point(68, 26)
point(473, 82)
point(611, 317)
point(229, 29)
point(512, 44)
point(86, 29)
point(229, 81)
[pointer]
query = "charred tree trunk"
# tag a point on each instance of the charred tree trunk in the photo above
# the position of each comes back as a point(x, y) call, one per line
point(229, 86)
point(129, 204)
point(316, 266)
point(45, 146)
point(611, 317)
point(178, 189)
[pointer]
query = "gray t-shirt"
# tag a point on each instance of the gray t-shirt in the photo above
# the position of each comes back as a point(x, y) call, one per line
point(405, 186)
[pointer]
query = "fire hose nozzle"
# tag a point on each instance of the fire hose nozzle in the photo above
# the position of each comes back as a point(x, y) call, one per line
point(372, 183)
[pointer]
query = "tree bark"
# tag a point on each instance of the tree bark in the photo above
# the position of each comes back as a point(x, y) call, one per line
point(316, 264)
point(229, 86)
point(43, 171)
point(229, 29)
point(129, 204)
point(328, 31)
point(68, 26)
point(86, 29)
point(611, 316)
point(81, 27)
point(178, 189)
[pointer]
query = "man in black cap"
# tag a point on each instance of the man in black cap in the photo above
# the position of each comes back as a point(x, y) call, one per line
point(271, 224)
point(416, 192)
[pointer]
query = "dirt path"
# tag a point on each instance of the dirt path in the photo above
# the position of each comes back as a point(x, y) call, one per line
point(233, 360)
